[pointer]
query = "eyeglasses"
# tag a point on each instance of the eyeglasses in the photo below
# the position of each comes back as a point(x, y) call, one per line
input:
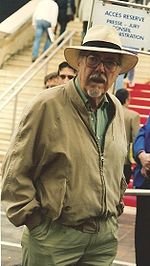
point(93, 61)
point(63, 76)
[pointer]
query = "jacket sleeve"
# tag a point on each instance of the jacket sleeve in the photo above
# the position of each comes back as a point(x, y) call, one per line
point(139, 143)
point(18, 184)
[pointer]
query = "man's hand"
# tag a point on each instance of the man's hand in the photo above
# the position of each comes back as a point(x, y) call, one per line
point(145, 173)
point(145, 160)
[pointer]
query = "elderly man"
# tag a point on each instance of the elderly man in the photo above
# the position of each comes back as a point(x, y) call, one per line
point(63, 174)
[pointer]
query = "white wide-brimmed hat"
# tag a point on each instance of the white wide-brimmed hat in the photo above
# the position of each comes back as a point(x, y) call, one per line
point(101, 38)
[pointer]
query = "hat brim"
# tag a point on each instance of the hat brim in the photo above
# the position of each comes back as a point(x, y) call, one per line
point(129, 60)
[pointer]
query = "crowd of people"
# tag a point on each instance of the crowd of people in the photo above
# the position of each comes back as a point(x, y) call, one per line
point(64, 73)
point(68, 165)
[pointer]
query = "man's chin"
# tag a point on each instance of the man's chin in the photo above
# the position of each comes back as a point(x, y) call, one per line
point(95, 92)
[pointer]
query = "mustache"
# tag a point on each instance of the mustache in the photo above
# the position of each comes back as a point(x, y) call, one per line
point(98, 77)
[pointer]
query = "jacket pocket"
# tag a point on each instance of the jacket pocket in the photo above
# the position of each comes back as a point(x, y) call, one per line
point(52, 193)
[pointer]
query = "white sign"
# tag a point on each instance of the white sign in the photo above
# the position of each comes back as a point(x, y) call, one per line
point(131, 23)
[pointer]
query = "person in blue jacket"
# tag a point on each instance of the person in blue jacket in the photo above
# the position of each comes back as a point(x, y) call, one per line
point(141, 152)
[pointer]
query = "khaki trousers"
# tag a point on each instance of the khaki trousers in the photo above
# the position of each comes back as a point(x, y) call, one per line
point(51, 244)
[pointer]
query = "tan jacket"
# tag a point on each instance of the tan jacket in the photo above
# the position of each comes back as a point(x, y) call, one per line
point(132, 125)
point(54, 165)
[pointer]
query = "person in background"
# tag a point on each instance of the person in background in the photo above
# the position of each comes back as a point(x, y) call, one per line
point(84, 14)
point(66, 13)
point(130, 76)
point(132, 125)
point(141, 152)
point(119, 84)
point(66, 72)
point(44, 20)
point(51, 80)
point(63, 174)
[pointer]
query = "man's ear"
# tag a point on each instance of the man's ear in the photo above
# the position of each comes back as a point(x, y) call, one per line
point(127, 101)
point(79, 61)
point(80, 58)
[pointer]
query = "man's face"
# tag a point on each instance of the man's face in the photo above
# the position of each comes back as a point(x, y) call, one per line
point(66, 74)
point(52, 82)
point(97, 72)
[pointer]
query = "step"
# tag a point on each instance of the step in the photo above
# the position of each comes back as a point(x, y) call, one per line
point(140, 109)
point(140, 101)
point(139, 87)
point(5, 134)
point(4, 144)
point(139, 93)
point(2, 155)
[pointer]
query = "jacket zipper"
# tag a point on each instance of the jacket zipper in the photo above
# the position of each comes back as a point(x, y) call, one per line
point(101, 159)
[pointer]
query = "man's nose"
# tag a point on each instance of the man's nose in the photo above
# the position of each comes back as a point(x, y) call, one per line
point(101, 67)
point(65, 80)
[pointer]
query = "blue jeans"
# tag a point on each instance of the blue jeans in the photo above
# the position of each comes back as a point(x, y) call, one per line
point(131, 75)
point(41, 28)
point(119, 82)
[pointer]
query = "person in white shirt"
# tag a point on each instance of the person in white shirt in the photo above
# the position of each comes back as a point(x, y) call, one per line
point(44, 21)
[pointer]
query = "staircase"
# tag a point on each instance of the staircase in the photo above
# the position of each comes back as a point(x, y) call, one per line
point(140, 100)
point(140, 93)
point(13, 68)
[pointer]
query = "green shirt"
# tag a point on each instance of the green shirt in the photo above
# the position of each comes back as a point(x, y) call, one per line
point(98, 118)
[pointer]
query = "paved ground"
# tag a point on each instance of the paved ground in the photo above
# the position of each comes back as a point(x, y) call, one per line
point(11, 250)
point(126, 251)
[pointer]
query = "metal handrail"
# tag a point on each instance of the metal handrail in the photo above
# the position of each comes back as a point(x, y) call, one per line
point(137, 192)
point(11, 87)
point(31, 72)
point(39, 64)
